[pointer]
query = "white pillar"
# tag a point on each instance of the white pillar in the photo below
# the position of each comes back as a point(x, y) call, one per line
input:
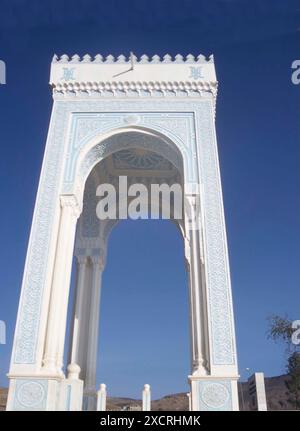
point(79, 310)
point(91, 363)
point(146, 398)
point(198, 313)
point(101, 398)
point(56, 328)
point(210, 389)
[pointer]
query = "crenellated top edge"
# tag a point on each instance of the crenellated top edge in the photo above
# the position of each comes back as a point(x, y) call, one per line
point(144, 59)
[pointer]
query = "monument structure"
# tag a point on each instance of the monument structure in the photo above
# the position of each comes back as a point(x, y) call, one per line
point(153, 121)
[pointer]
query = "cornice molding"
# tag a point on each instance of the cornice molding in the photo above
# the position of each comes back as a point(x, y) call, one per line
point(117, 88)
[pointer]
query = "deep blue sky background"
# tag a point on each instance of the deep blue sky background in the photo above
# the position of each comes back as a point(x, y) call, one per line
point(144, 323)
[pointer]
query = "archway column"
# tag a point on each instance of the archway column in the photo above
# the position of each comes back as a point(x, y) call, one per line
point(213, 387)
point(57, 317)
point(80, 311)
point(198, 314)
point(93, 332)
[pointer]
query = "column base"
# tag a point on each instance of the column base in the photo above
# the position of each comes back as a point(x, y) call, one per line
point(213, 393)
point(38, 393)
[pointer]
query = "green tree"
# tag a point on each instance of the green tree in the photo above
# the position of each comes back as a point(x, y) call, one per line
point(293, 384)
point(281, 329)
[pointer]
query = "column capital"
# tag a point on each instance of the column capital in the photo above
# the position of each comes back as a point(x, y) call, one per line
point(193, 200)
point(81, 259)
point(98, 261)
point(192, 214)
point(70, 201)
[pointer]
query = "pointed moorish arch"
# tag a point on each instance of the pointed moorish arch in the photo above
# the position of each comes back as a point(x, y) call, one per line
point(91, 242)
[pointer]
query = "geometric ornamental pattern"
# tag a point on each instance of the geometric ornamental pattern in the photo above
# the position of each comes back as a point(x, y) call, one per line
point(215, 395)
point(31, 394)
point(139, 158)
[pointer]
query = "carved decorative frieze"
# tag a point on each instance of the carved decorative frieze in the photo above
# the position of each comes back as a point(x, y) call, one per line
point(136, 89)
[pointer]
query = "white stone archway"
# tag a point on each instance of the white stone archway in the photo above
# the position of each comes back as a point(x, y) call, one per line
point(90, 121)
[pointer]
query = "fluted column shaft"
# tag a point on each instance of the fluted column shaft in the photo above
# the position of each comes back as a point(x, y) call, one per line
point(91, 363)
point(196, 290)
point(79, 310)
point(57, 317)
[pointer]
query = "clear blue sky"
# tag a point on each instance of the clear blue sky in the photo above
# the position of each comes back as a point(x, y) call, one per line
point(254, 43)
